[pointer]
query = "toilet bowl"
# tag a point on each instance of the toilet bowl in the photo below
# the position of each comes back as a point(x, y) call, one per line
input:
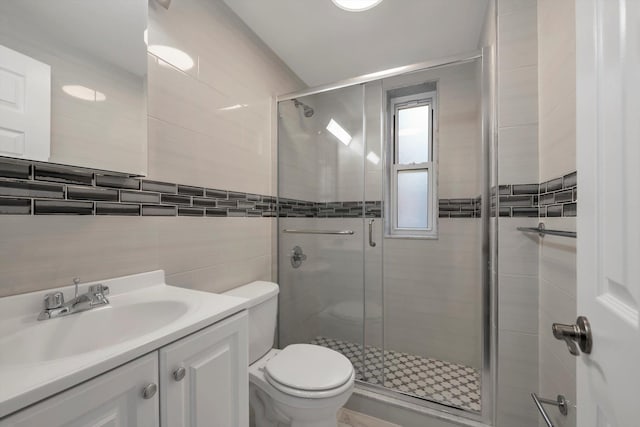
point(302, 385)
point(310, 401)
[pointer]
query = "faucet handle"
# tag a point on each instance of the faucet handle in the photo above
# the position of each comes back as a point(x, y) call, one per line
point(99, 289)
point(76, 282)
point(54, 300)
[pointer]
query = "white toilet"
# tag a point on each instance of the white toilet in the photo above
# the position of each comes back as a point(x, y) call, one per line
point(302, 385)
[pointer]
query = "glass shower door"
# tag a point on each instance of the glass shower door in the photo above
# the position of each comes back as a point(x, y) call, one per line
point(433, 282)
point(322, 228)
point(408, 304)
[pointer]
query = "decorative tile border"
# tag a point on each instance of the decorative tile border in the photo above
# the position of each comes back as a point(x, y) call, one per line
point(33, 188)
point(291, 208)
point(554, 198)
point(559, 196)
point(459, 208)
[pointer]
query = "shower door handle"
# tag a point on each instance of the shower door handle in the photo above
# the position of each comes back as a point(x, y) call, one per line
point(371, 242)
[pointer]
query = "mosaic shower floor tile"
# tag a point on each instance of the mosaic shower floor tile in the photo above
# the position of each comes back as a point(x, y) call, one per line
point(432, 379)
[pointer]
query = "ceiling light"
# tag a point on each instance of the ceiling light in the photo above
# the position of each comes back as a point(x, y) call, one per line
point(356, 5)
point(84, 93)
point(339, 132)
point(373, 158)
point(173, 56)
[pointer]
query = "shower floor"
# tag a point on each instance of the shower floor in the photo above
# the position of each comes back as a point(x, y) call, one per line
point(440, 381)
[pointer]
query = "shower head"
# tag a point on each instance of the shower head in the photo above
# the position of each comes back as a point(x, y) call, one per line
point(308, 111)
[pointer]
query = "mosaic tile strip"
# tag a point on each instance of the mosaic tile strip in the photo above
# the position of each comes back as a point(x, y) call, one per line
point(444, 382)
point(29, 188)
point(554, 198)
point(460, 208)
point(559, 197)
point(290, 208)
point(32, 188)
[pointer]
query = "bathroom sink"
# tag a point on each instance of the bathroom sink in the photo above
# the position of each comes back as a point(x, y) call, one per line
point(88, 331)
point(39, 358)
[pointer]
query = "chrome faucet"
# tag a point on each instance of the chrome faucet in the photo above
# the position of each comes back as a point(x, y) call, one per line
point(55, 306)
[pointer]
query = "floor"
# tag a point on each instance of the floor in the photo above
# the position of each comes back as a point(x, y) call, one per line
point(348, 418)
point(436, 380)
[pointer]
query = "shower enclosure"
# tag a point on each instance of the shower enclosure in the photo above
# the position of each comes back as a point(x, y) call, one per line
point(383, 230)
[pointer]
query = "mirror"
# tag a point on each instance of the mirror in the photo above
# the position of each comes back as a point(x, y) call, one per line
point(73, 78)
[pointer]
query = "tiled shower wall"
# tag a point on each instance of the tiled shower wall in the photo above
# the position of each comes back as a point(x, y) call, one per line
point(536, 50)
point(191, 142)
point(517, 252)
point(557, 268)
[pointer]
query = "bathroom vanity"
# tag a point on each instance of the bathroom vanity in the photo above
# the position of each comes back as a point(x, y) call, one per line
point(156, 355)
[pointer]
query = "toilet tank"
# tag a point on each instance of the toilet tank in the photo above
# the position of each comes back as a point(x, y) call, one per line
point(263, 311)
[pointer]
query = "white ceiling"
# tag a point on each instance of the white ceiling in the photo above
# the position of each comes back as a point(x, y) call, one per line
point(323, 44)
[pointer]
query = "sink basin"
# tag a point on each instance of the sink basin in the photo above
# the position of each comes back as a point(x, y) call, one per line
point(88, 331)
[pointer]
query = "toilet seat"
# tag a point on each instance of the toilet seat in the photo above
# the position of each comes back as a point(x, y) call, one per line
point(309, 371)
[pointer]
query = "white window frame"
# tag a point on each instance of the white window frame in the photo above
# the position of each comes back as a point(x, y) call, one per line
point(397, 104)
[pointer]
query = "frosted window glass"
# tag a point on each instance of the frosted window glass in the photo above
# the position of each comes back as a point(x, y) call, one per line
point(413, 135)
point(413, 199)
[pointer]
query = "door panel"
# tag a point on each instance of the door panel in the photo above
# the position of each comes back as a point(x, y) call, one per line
point(608, 152)
point(25, 106)
point(113, 399)
point(215, 388)
point(321, 155)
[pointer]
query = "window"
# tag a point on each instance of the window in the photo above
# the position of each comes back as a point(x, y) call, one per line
point(413, 169)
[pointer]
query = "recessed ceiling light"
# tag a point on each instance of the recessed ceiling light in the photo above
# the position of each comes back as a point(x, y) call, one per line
point(356, 5)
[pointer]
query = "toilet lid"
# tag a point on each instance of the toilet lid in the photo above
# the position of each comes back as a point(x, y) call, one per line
point(309, 367)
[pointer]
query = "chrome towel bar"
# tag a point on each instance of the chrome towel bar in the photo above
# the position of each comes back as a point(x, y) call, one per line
point(340, 232)
point(541, 230)
point(560, 402)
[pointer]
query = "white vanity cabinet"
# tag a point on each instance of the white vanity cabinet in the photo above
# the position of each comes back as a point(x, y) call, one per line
point(204, 378)
point(112, 399)
point(199, 380)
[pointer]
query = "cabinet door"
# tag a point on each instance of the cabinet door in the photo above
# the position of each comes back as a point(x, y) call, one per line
point(214, 390)
point(110, 400)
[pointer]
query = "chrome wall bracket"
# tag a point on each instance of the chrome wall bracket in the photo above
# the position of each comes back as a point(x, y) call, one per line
point(297, 256)
point(561, 402)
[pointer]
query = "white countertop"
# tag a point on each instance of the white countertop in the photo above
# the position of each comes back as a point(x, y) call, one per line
point(37, 358)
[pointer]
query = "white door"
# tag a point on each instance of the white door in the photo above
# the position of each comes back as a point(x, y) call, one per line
point(110, 400)
point(25, 106)
point(608, 157)
point(204, 378)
